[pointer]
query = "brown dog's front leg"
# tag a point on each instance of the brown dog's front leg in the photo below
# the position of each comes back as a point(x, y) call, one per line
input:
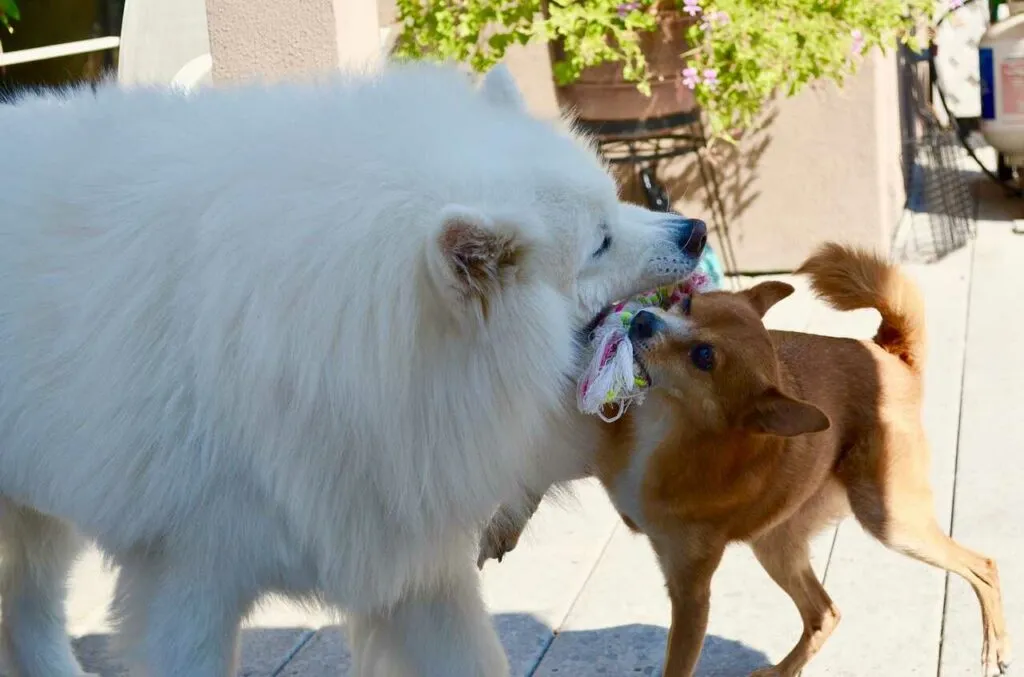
point(689, 563)
point(502, 533)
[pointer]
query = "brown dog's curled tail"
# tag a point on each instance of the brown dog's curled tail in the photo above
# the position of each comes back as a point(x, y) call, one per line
point(851, 279)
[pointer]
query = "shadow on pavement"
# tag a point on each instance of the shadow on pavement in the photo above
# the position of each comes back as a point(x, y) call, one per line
point(607, 652)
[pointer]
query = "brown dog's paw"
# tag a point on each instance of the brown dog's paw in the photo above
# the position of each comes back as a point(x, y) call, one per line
point(996, 657)
point(993, 669)
point(496, 542)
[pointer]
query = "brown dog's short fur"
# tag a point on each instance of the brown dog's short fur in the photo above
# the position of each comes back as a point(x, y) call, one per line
point(785, 433)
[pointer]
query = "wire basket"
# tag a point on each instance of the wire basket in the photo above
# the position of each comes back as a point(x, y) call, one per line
point(939, 216)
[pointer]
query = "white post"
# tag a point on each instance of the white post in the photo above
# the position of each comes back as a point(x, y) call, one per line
point(158, 38)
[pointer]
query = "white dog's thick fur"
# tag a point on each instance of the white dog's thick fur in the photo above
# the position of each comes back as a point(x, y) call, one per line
point(298, 338)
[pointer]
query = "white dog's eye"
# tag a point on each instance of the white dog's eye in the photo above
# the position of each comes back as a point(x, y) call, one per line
point(606, 243)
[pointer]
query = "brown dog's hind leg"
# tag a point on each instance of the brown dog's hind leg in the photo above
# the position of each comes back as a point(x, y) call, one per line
point(900, 514)
point(784, 554)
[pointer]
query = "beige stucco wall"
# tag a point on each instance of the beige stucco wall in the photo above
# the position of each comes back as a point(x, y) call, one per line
point(250, 38)
point(826, 167)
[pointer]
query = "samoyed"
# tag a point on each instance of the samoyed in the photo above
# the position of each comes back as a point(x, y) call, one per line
point(291, 338)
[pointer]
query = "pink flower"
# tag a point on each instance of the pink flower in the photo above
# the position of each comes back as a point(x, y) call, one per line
point(857, 46)
point(627, 7)
point(710, 78)
point(691, 7)
point(690, 77)
point(713, 19)
point(956, 4)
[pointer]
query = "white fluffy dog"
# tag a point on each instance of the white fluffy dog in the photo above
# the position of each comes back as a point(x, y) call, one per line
point(297, 338)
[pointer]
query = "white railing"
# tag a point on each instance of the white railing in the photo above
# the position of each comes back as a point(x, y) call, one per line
point(57, 51)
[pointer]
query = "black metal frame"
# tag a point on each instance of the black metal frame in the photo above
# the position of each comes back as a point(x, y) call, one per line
point(638, 128)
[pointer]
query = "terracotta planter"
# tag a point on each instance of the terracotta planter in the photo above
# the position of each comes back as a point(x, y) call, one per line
point(602, 97)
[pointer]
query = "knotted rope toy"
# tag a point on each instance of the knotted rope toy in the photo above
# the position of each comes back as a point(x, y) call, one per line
point(612, 376)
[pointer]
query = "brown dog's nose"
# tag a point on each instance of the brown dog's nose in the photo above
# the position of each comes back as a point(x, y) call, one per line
point(693, 235)
point(644, 326)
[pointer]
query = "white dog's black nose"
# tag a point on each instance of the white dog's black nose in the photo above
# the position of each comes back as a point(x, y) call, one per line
point(692, 235)
point(645, 324)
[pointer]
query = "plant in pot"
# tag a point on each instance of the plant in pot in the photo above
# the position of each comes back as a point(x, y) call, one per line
point(611, 61)
point(645, 86)
point(651, 59)
point(657, 63)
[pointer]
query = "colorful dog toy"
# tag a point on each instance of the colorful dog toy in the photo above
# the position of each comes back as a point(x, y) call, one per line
point(612, 376)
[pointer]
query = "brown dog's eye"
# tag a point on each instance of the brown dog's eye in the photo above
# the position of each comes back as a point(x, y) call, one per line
point(703, 356)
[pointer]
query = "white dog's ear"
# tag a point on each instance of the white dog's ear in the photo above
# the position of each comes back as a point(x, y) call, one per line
point(474, 255)
point(500, 88)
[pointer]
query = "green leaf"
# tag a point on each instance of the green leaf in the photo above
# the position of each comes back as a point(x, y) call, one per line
point(9, 10)
point(766, 46)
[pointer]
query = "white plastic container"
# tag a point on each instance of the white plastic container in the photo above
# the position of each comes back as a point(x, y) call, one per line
point(1001, 65)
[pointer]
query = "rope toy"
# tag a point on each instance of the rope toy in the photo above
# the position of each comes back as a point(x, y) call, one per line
point(612, 376)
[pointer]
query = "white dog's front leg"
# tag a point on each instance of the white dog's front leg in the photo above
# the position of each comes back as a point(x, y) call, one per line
point(177, 622)
point(444, 633)
point(38, 552)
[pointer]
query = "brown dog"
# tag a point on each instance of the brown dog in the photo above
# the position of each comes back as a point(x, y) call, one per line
point(767, 436)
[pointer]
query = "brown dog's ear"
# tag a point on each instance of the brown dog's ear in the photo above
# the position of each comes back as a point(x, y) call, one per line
point(773, 413)
point(765, 295)
point(474, 253)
